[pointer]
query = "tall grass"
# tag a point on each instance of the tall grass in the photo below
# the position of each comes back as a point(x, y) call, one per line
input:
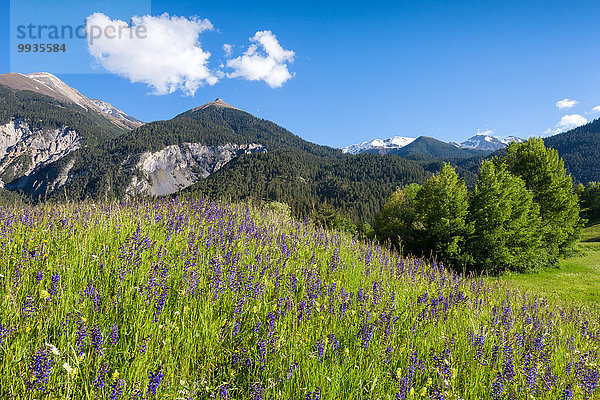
point(181, 299)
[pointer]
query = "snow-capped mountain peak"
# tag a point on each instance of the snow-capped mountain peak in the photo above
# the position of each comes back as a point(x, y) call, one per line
point(509, 139)
point(395, 142)
point(487, 142)
point(109, 109)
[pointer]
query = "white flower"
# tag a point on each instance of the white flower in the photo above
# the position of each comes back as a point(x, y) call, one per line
point(68, 368)
point(53, 349)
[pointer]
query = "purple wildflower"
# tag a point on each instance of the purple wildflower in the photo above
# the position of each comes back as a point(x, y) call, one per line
point(40, 369)
point(154, 380)
point(29, 306)
point(100, 379)
point(114, 334)
point(117, 389)
point(97, 339)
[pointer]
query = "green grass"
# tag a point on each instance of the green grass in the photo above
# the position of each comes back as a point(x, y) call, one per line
point(227, 302)
point(576, 280)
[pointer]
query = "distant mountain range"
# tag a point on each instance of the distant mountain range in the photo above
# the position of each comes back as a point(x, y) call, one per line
point(57, 143)
point(392, 145)
point(378, 145)
point(487, 142)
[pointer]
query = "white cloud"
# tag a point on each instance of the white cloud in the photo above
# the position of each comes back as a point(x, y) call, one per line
point(567, 123)
point(596, 109)
point(566, 104)
point(228, 49)
point(161, 51)
point(486, 132)
point(264, 60)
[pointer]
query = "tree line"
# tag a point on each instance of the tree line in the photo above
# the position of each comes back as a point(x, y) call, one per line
point(522, 214)
point(589, 198)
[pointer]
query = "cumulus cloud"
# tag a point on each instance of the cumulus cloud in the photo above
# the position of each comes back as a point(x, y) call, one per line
point(566, 104)
point(163, 51)
point(228, 49)
point(567, 123)
point(264, 60)
point(596, 109)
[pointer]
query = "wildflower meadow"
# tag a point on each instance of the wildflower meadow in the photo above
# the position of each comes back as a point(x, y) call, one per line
point(182, 299)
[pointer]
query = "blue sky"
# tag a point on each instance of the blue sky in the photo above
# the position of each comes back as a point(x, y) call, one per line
point(364, 70)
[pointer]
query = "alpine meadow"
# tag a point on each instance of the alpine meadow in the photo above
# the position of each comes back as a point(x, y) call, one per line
point(384, 201)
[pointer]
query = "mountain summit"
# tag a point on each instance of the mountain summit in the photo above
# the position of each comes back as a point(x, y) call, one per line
point(218, 102)
point(487, 142)
point(49, 85)
point(378, 145)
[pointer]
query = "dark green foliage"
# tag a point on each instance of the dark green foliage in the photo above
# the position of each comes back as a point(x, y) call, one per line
point(580, 150)
point(299, 173)
point(544, 173)
point(429, 220)
point(357, 186)
point(44, 112)
point(589, 200)
point(433, 165)
point(522, 214)
point(506, 223)
point(436, 148)
point(395, 223)
point(441, 208)
point(213, 126)
point(327, 216)
point(8, 198)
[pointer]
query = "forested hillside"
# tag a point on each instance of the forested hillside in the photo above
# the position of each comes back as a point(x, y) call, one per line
point(580, 149)
point(292, 170)
point(436, 148)
point(355, 185)
point(43, 112)
point(300, 173)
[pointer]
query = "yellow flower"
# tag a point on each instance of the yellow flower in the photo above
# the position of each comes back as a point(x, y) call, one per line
point(27, 329)
point(44, 294)
point(116, 375)
point(398, 373)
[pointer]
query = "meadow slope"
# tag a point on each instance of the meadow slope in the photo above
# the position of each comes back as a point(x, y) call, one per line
point(577, 278)
point(181, 299)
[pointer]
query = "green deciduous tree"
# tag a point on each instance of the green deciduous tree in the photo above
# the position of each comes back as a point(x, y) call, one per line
point(506, 222)
point(544, 173)
point(441, 207)
point(395, 221)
